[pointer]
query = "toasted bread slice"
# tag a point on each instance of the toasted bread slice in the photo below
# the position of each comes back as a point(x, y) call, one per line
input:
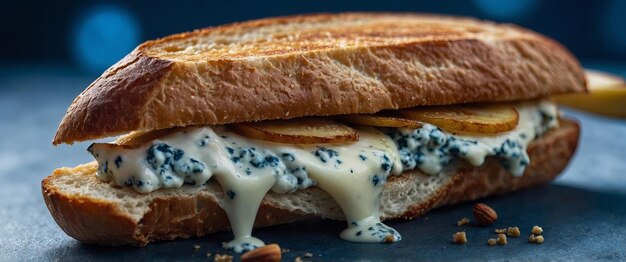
point(317, 65)
point(99, 213)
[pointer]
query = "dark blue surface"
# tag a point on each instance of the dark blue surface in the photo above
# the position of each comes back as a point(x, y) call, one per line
point(583, 213)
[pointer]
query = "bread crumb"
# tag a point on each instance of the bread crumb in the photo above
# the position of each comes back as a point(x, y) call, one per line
point(537, 230)
point(539, 239)
point(223, 258)
point(513, 232)
point(462, 221)
point(532, 238)
point(502, 239)
point(307, 254)
point(284, 250)
point(196, 247)
point(298, 259)
point(208, 254)
point(459, 238)
point(491, 242)
point(500, 231)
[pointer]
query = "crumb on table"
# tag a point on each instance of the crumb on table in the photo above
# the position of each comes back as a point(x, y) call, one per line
point(539, 239)
point(513, 232)
point(491, 242)
point(459, 237)
point(502, 239)
point(462, 221)
point(223, 258)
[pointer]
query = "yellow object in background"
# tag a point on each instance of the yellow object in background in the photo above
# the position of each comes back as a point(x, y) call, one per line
point(607, 95)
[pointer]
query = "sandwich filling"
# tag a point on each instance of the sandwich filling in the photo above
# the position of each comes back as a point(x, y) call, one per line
point(354, 174)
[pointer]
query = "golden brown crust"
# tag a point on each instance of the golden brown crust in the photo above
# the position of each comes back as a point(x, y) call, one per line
point(325, 64)
point(172, 216)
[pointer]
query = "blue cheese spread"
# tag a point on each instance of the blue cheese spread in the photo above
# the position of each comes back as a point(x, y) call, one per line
point(354, 174)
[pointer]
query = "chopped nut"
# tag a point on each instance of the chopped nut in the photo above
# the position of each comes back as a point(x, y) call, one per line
point(196, 247)
point(307, 254)
point(532, 238)
point(491, 242)
point(537, 230)
point(298, 259)
point(484, 214)
point(284, 250)
point(513, 232)
point(208, 254)
point(539, 239)
point(502, 239)
point(462, 221)
point(265, 253)
point(389, 239)
point(223, 258)
point(459, 238)
point(501, 231)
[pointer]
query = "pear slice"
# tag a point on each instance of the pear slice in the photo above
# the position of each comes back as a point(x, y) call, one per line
point(380, 120)
point(475, 118)
point(298, 131)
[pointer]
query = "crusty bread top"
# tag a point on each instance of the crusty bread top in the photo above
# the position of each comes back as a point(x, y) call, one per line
point(324, 64)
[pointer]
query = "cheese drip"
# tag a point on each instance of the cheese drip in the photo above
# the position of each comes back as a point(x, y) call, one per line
point(353, 174)
point(246, 169)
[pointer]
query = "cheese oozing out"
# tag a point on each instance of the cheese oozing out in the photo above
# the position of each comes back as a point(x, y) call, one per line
point(354, 173)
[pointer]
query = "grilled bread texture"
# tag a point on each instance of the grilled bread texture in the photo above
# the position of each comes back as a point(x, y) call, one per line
point(317, 65)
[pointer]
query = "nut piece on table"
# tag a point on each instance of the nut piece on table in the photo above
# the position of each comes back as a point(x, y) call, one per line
point(535, 239)
point(502, 239)
point(484, 214)
point(537, 230)
point(513, 232)
point(500, 231)
point(462, 221)
point(491, 242)
point(223, 258)
point(539, 239)
point(268, 253)
point(459, 238)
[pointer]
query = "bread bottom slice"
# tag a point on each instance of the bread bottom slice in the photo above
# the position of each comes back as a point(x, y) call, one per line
point(100, 213)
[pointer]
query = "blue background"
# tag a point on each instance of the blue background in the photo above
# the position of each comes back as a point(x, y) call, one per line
point(51, 50)
point(88, 36)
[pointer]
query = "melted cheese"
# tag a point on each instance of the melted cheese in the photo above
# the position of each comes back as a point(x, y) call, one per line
point(353, 174)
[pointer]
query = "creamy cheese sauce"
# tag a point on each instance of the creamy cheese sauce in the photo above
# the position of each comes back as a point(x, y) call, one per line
point(354, 174)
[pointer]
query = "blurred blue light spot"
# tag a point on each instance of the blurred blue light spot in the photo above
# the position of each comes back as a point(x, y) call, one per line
point(102, 36)
point(506, 9)
point(613, 27)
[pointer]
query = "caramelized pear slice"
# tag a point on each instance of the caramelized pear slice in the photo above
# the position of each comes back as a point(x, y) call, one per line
point(380, 120)
point(137, 138)
point(474, 118)
point(298, 131)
